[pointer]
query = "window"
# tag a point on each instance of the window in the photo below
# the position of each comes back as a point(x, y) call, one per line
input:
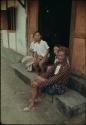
point(11, 17)
point(8, 19)
point(4, 22)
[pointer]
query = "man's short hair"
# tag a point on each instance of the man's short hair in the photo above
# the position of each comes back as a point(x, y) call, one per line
point(62, 49)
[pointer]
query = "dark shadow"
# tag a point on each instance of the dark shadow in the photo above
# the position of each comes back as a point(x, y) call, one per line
point(54, 21)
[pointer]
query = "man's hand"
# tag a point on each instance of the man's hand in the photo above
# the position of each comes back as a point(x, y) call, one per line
point(41, 78)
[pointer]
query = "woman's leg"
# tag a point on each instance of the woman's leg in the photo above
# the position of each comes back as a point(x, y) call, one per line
point(42, 66)
point(36, 67)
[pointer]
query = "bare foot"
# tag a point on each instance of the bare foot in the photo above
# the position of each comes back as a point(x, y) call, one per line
point(30, 108)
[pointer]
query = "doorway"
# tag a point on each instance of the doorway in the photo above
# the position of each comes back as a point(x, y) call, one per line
point(54, 21)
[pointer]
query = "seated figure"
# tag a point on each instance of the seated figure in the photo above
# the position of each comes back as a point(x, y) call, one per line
point(29, 59)
point(58, 75)
point(41, 53)
point(56, 51)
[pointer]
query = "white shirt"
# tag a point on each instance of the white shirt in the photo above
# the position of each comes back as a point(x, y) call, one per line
point(32, 46)
point(68, 61)
point(57, 69)
point(41, 48)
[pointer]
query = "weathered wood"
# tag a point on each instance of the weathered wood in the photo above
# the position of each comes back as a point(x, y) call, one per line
point(32, 18)
point(78, 46)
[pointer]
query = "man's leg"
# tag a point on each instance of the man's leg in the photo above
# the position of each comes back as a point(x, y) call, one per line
point(34, 97)
point(34, 91)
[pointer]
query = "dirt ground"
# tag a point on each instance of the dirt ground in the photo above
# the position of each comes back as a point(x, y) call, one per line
point(14, 97)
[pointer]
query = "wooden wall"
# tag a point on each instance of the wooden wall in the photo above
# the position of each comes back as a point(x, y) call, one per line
point(78, 41)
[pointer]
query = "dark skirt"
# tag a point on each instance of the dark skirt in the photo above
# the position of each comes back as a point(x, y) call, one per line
point(54, 89)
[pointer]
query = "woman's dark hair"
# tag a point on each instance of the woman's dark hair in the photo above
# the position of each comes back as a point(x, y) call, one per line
point(36, 32)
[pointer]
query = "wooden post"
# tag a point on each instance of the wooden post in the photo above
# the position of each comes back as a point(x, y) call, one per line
point(32, 18)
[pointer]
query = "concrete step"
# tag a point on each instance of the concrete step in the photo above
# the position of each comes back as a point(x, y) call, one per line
point(77, 120)
point(78, 84)
point(11, 55)
point(22, 73)
point(71, 103)
point(75, 83)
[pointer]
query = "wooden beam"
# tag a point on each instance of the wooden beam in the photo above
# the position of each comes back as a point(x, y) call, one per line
point(22, 4)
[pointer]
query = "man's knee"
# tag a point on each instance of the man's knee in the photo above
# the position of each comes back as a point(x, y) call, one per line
point(34, 84)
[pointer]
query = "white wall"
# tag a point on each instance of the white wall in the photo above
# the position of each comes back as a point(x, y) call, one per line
point(4, 33)
point(4, 38)
point(21, 30)
point(12, 40)
point(16, 39)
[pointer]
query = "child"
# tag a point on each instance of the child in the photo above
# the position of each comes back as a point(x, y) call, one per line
point(41, 53)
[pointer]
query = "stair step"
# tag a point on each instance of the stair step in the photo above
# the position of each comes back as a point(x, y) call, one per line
point(78, 84)
point(20, 70)
point(10, 55)
point(77, 120)
point(71, 103)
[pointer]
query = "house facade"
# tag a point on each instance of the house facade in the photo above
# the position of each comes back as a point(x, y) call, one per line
point(13, 36)
point(19, 19)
